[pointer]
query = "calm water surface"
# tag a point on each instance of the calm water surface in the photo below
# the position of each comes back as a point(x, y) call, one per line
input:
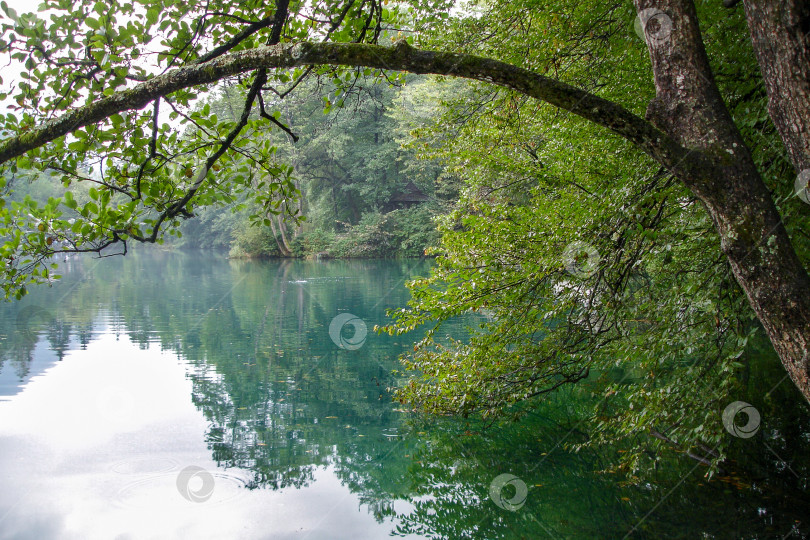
point(176, 395)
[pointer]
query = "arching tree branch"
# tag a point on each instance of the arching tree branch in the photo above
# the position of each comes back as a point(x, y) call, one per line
point(399, 58)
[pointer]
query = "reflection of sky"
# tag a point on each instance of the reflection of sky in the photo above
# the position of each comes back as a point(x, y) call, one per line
point(42, 357)
point(92, 448)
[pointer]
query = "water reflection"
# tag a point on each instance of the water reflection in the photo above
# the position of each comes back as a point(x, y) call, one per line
point(297, 431)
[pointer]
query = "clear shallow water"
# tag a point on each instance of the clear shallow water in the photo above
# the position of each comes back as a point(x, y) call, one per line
point(172, 395)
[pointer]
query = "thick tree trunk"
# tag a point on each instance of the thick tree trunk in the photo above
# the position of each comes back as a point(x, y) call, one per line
point(282, 246)
point(688, 107)
point(780, 34)
point(282, 229)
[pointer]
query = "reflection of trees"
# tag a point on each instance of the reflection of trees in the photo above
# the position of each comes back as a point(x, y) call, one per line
point(23, 325)
point(281, 399)
point(569, 498)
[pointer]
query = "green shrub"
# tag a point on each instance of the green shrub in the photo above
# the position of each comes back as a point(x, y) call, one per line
point(312, 242)
point(400, 233)
point(251, 242)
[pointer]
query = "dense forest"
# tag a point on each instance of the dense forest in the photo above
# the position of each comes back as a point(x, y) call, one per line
point(616, 190)
point(363, 187)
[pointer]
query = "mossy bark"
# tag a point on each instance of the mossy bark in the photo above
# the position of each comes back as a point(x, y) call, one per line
point(780, 34)
point(688, 106)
